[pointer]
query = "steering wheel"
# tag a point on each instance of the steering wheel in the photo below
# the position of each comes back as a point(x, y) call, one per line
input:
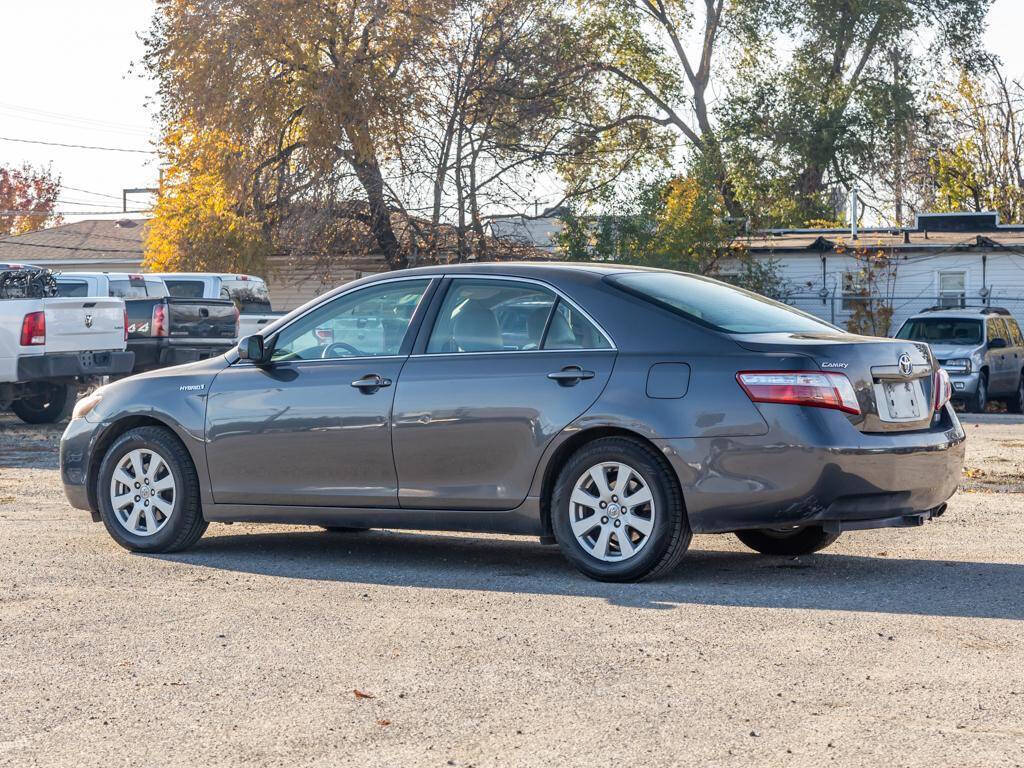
point(328, 350)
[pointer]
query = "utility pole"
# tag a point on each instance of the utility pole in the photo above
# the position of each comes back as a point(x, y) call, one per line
point(854, 195)
point(136, 191)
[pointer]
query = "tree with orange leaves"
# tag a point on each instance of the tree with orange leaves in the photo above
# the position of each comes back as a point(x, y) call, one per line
point(28, 198)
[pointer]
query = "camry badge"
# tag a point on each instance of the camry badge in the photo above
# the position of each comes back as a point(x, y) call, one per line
point(906, 364)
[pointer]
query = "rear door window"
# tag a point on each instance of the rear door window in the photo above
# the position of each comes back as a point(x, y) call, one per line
point(491, 316)
point(570, 329)
point(137, 288)
point(1015, 336)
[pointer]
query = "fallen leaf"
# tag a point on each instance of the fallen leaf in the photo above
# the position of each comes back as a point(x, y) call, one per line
point(383, 722)
point(360, 695)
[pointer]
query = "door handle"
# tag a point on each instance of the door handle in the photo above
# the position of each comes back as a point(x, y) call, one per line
point(370, 383)
point(570, 375)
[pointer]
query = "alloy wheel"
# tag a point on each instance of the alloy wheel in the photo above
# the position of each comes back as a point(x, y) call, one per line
point(612, 512)
point(142, 492)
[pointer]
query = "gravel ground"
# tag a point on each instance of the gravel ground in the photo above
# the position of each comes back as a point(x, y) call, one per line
point(288, 646)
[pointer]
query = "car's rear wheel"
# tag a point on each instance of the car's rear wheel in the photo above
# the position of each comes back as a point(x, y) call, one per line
point(148, 492)
point(1015, 404)
point(617, 512)
point(51, 404)
point(978, 401)
point(791, 541)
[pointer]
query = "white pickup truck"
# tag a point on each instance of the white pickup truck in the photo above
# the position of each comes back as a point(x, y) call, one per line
point(50, 347)
point(249, 293)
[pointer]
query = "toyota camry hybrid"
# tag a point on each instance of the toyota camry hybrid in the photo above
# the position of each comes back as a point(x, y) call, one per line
point(613, 410)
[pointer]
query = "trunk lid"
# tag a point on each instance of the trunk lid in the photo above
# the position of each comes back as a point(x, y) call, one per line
point(77, 324)
point(893, 378)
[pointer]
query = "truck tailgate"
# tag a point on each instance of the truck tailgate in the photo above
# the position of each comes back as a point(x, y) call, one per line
point(76, 324)
point(202, 319)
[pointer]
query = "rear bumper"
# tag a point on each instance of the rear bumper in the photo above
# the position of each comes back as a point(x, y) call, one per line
point(815, 468)
point(67, 365)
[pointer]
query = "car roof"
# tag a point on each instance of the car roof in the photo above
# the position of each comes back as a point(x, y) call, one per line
point(221, 275)
point(537, 269)
point(110, 275)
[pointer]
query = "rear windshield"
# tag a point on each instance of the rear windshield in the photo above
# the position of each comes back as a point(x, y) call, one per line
point(72, 288)
point(250, 296)
point(137, 288)
point(942, 330)
point(184, 289)
point(718, 305)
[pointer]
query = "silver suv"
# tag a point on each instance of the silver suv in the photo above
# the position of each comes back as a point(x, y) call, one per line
point(982, 350)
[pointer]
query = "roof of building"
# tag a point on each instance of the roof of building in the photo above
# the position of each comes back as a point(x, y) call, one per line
point(92, 239)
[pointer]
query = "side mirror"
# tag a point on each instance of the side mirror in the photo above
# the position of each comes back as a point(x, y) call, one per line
point(997, 344)
point(251, 348)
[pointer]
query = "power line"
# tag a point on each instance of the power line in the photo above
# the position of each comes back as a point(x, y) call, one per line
point(73, 213)
point(104, 124)
point(80, 146)
point(90, 192)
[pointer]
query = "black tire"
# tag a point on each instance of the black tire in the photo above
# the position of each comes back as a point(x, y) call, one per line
point(976, 403)
point(803, 541)
point(53, 404)
point(343, 529)
point(670, 534)
point(185, 523)
point(1015, 404)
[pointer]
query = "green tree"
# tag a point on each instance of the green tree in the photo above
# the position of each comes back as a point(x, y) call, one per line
point(842, 105)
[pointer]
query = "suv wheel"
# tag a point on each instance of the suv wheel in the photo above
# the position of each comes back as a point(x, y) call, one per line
point(1015, 404)
point(617, 512)
point(978, 401)
point(53, 404)
point(148, 492)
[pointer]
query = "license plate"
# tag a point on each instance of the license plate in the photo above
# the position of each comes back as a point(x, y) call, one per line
point(903, 400)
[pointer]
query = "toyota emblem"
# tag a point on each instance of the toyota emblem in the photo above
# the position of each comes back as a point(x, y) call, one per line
point(88, 321)
point(906, 365)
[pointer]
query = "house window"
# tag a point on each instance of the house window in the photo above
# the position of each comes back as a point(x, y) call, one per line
point(952, 289)
point(855, 289)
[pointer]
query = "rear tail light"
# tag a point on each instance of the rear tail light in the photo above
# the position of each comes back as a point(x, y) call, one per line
point(126, 325)
point(160, 320)
point(33, 329)
point(820, 390)
point(943, 388)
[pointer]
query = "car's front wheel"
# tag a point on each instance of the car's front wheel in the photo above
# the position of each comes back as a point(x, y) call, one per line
point(617, 512)
point(791, 541)
point(979, 400)
point(148, 492)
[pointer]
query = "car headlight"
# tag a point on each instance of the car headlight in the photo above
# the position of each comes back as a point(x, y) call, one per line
point(959, 365)
point(85, 405)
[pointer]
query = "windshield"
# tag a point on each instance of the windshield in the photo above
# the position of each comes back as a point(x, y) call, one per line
point(718, 305)
point(942, 330)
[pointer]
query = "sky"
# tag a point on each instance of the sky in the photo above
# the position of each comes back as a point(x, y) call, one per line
point(70, 73)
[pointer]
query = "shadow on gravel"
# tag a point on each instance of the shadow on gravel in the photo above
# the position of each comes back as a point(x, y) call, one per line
point(821, 582)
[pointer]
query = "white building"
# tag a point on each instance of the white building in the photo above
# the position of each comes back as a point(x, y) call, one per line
point(946, 259)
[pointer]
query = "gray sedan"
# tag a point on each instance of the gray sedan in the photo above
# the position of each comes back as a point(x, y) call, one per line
point(613, 410)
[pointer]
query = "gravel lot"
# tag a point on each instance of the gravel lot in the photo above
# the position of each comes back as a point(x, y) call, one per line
point(902, 647)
